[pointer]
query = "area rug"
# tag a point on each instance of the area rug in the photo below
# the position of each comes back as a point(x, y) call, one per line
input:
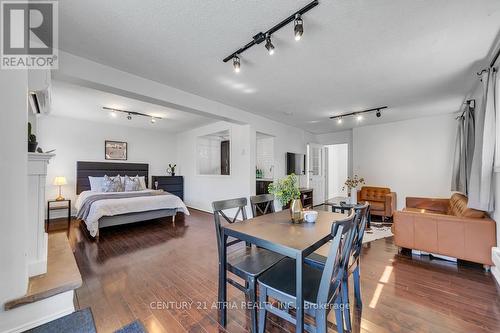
point(77, 322)
point(377, 231)
point(134, 327)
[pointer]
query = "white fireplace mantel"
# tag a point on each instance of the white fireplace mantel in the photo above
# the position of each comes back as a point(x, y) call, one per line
point(36, 235)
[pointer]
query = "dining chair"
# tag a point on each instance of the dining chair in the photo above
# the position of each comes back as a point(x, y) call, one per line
point(247, 262)
point(353, 264)
point(321, 287)
point(262, 203)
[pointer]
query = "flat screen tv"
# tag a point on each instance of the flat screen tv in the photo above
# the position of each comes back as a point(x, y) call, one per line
point(295, 163)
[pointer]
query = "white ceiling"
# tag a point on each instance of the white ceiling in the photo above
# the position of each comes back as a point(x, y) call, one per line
point(417, 57)
point(78, 102)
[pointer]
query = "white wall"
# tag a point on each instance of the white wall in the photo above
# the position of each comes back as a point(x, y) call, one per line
point(13, 191)
point(78, 140)
point(413, 157)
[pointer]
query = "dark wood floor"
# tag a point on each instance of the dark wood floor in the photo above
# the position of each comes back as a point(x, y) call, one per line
point(135, 266)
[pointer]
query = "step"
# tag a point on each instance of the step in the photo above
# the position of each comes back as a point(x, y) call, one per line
point(62, 274)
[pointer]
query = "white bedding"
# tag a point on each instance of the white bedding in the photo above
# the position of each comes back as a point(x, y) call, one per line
point(111, 207)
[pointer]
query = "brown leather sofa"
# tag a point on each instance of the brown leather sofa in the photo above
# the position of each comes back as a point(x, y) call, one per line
point(446, 227)
point(382, 200)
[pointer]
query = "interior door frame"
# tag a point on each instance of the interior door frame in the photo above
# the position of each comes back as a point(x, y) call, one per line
point(321, 168)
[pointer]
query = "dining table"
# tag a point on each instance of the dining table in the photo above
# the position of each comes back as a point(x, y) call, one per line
point(276, 232)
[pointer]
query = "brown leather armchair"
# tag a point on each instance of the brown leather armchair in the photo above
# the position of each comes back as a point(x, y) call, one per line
point(382, 200)
point(446, 227)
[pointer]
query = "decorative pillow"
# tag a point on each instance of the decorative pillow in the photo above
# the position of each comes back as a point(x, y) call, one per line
point(96, 183)
point(112, 184)
point(132, 184)
point(142, 180)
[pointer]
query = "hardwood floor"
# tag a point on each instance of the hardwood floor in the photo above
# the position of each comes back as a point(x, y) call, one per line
point(134, 267)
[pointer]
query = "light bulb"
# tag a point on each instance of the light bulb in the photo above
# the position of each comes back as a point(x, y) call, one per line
point(359, 117)
point(339, 121)
point(153, 120)
point(113, 114)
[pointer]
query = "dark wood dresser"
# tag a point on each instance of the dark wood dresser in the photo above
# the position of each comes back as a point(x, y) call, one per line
point(172, 184)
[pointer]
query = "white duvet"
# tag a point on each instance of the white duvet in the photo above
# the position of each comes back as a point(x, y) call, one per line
point(118, 206)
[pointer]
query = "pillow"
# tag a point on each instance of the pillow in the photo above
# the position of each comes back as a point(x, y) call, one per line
point(142, 180)
point(132, 184)
point(112, 184)
point(96, 183)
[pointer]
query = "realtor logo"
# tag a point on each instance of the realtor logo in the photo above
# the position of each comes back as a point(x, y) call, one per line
point(29, 34)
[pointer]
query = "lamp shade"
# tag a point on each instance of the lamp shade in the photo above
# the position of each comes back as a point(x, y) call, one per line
point(60, 181)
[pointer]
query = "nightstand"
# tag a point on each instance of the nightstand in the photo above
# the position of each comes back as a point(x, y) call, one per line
point(61, 205)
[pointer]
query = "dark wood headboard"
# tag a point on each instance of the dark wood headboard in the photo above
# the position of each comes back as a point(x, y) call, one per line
point(99, 169)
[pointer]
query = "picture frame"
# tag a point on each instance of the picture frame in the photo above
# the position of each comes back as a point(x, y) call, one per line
point(115, 150)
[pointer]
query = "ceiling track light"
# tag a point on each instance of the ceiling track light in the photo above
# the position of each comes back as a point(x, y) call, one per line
point(359, 114)
point(269, 45)
point(114, 113)
point(236, 64)
point(298, 28)
point(265, 36)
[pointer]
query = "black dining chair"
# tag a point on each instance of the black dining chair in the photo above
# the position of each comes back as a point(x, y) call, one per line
point(247, 262)
point(321, 287)
point(262, 204)
point(353, 264)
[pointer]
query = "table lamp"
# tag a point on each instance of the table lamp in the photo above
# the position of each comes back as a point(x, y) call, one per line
point(60, 181)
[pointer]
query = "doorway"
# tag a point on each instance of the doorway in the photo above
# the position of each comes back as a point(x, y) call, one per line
point(337, 169)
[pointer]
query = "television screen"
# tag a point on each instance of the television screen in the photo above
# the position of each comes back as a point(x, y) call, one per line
point(295, 163)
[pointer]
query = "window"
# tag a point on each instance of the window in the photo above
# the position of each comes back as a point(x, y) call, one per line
point(214, 154)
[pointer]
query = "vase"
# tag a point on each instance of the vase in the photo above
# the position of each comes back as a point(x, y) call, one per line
point(296, 211)
point(354, 196)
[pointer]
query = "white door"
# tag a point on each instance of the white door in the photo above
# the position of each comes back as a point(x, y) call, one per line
point(315, 174)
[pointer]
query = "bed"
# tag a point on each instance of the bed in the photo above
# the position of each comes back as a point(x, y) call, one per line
point(117, 208)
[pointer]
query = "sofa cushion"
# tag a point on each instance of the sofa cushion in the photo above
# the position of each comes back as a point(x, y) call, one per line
point(377, 205)
point(419, 210)
point(458, 207)
point(369, 193)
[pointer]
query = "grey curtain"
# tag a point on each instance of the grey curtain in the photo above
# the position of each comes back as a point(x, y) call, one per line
point(464, 150)
point(481, 187)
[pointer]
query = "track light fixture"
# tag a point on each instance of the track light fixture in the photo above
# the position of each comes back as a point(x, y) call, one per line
point(359, 114)
point(236, 64)
point(266, 36)
point(298, 28)
point(269, 45)
point(114, 114)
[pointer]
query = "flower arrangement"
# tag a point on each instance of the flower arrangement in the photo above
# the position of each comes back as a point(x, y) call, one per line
point(285, 189)
point(171, 169)
point(353, 182)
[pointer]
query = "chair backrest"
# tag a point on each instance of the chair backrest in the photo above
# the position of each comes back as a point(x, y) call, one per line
point(219, 207)
point(343, 232)
point(372, 193)
point(361, 221)
point(262, 200)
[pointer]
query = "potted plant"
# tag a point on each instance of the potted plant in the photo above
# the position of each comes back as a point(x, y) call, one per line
point(351, 184)
point(171, 169)
point(32, 143)
point(286, 190)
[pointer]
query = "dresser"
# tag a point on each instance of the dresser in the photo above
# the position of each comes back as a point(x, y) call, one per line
point(171, 184)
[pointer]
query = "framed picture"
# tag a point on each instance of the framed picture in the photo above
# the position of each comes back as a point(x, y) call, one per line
point(115, 150)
